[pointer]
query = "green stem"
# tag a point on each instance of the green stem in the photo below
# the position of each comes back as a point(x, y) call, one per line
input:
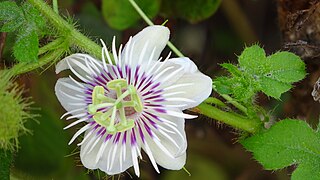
point(55, 44)
point(67, 30)
point(55, 6)
point(26, 67)
point(234, 120)
point(175, 50)
point(212, 100)
point(235, 103)
point(5, 165)
point(150, 23)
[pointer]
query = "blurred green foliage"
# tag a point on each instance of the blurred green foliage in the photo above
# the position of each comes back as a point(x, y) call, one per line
point(190, 10)
point(98, 27)
point(5, 159)
point(120, 14)
point(200, 168)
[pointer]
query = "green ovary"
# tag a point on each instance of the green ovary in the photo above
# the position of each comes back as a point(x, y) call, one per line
point(119, 104)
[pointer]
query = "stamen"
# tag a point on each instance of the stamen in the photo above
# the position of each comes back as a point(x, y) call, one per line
point(100, 102)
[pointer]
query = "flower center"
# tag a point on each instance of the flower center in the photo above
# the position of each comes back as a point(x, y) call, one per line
point(127, 102)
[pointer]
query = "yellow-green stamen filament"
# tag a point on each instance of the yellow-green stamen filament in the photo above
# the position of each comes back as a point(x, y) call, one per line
point(100, 102)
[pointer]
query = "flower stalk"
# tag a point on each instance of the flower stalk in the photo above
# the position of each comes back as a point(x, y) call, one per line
point(49, 57)
point(234, 120)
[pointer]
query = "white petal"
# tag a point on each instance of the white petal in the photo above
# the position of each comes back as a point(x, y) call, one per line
point(188, 65)
point(112, 158)
point(156, 37)
point(65, 90)
point(82, 65)
point(165, 73)
point(177, 149)
point(200, 84)
point(88, 159)
point(169, 71)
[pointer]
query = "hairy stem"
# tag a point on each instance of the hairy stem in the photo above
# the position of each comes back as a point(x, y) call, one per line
point(55, 6)
point(26, 67)
point(235, 103)
point(149, 22)
point(212, 100)
point(66, 29)
point(55, 44)
point(234, 120)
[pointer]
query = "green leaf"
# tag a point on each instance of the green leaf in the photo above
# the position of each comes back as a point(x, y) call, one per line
point(252, 60)
point(272, 75)
point(243, 87)
point(222, 85)
point(273, 88)
point(231, 68)
point(275, 73)
point(239, 86)
point(288, 142)
point(9, 11)
point(11, 16)
point(27, 46)
point(191, 10)
point(13, 25)
point(34, 18)
point(285, 67)
point(120, 14)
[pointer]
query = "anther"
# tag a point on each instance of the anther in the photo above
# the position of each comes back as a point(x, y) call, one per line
point(97, 92)
point(123, 127)
point(122, 83)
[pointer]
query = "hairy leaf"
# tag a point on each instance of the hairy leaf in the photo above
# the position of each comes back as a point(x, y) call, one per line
point(10, 16)
point(120, 14)
point(34, 18)
point(231, 68)
point(272, 75)
point(33, 26)
point(27, 46)
point(275, 73)
point(222, 85)
point(288, 142)
point(9, 10)
point(13, 25)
